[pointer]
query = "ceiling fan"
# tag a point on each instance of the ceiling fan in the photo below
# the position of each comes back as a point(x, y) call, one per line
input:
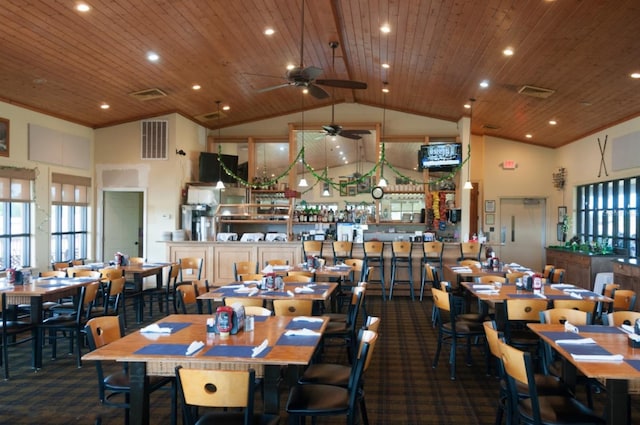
point(302, 76)
point(334, 129)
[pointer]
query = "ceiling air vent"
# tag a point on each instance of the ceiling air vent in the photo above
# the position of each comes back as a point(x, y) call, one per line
point(148, 94)
point(491, 127)
point(211, 116)
point(534, 91)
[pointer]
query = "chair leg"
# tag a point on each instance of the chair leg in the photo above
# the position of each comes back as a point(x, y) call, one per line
point(452, 358)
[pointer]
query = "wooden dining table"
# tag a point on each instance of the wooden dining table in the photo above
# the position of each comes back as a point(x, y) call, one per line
point(136, 273)
point(37, 292)
point(616, 374)
point(158, 354)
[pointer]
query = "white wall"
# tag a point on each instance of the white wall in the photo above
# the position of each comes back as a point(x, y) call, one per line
point(20, 119)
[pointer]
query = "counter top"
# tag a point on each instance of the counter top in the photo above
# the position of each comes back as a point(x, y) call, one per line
point(585, 253)
point(629, 261)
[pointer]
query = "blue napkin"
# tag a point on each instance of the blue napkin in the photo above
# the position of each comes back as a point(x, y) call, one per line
point(166, 349)
point(235, 351)
point(298, 340)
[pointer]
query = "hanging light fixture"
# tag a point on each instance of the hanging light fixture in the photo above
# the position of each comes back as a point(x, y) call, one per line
point(220, 184)
point(467, 184)
point(382, 182)
point(303, 181)
point(325, 185)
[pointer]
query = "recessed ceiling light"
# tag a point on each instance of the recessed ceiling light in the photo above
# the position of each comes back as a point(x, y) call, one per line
point(83, 7)
point(153, 57)
point(385, 28)
point(386, 65)
point(290, 66)
point(346, 162)
point(528, 136)
point(104, 106)
point(269, 31)
point(305, 90)
point(553, 122)
point(385, 88)
point(226, 108)
point(635, 75)
point(508, 51)
point(196, 87)
point(467, 106)
point(484, 84)
point(281, 148)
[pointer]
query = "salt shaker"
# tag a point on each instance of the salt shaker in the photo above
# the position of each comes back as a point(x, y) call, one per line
point(249, 323)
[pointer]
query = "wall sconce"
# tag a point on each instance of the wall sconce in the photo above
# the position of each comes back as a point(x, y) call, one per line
point(180, 152)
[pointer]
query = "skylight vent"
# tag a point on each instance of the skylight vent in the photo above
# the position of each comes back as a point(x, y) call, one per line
point(148, 94)
point(533, 91)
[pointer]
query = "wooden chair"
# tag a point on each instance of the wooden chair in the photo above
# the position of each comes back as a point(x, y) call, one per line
point(108, 274)
point(252, 310)
point(513, 276)
point(470, 263)
point(374, 256)
point(190, 268)
point(342, 250)
point(112, 298)
point(557, 276)
point(13, 332)
point(77, 262)
point(345, 331)
point(251, 277)
point(546, 272)
point(519, 369)
point(276, 262)
point(114, 389)
point(137, 261)
point(228, 389)
point(519, 312)
point(297, 278)
point(452, 331)
point(312, 248)
point(53, 273)
point(332, 400)
point(244, 267)
point(470, 251)
point(619, 318)
point(624, 299)
point(401, 258)
point(292, 307)
point(609, 288)
point(245, 301)
point(71, 324)
point(60, 265)
point(186, 296)
point(491, 279)
point(432, 253)
point(300, 273)
point(80, 272)
point(583, 305)
point(562, 315)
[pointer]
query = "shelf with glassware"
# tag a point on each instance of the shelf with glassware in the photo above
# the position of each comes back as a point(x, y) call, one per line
point(246, 218)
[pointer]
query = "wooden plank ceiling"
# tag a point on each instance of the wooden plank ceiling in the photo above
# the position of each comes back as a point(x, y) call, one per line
point(66, 63)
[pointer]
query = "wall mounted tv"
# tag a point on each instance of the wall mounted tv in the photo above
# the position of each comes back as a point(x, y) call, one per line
point(440, 156)
point(211, 171)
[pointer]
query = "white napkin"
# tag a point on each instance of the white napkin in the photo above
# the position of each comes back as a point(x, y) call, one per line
point(462, 270)
point(248, 282)
point(568, 327)
point(576, 290)
point(260, 348)
point(244, 290)
point(301, 332)
point(579, 341)
point(194, 347)
point(268, 269)
point(575, 295)
point(598, 357)
point(239, 285)
point(302, 289)
point(280, 267)
point(155, 328)
point(307, 319)
point(562, 286)
point(488, 291)
point(627, 328)
point(483, 286)
point(291, 294)
point(253, 292)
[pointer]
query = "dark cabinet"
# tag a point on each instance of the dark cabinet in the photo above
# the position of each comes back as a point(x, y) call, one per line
point(581, 268)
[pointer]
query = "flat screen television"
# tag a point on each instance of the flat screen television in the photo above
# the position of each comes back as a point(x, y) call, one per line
point(443, 156)
point(211, 171)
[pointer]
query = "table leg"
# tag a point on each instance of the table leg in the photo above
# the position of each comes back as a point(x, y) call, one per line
point(36, 343)
point(271, 389)
point(617, 407)
point(139, 398)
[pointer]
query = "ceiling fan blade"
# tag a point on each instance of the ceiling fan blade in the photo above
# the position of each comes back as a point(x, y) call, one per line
point(311, 72)
point(355, 132)
point(273, 87)
point(343, 84)
point(317, 92)
point(332, 129)
point(349, 136)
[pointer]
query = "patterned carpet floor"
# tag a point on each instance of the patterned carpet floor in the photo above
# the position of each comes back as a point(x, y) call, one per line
point(401, 386)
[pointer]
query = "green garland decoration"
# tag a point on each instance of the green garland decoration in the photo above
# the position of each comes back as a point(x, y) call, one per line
point(324, 177)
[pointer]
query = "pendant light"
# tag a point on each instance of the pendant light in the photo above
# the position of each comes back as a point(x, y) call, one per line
point(303, 181)
point(467, 184)
point(220, 184)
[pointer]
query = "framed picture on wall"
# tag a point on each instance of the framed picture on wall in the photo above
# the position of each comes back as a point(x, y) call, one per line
point(352, 190)
point(4, 137)
point(343, 187)
point(490, 206)
point(490, 219)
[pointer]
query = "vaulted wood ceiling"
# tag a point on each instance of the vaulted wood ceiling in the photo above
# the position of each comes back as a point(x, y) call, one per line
point(66, 63)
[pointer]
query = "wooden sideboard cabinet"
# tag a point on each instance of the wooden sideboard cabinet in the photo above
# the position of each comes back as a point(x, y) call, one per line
point(626, 273)
point(581, 268)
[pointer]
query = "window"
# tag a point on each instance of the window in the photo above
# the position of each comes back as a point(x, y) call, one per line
point(69, 217)
point(15, 217)
point(607, 215)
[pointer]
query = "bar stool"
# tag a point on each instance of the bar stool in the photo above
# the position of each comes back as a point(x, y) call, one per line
point(373, 255)
point(401, 257)
point(312, 248)
point(341, 251)
point(431, 254)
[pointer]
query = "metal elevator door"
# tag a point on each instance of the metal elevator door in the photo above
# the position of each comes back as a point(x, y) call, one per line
point(523, 231)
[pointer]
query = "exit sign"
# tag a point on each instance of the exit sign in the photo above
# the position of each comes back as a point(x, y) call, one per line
point(509, 164)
